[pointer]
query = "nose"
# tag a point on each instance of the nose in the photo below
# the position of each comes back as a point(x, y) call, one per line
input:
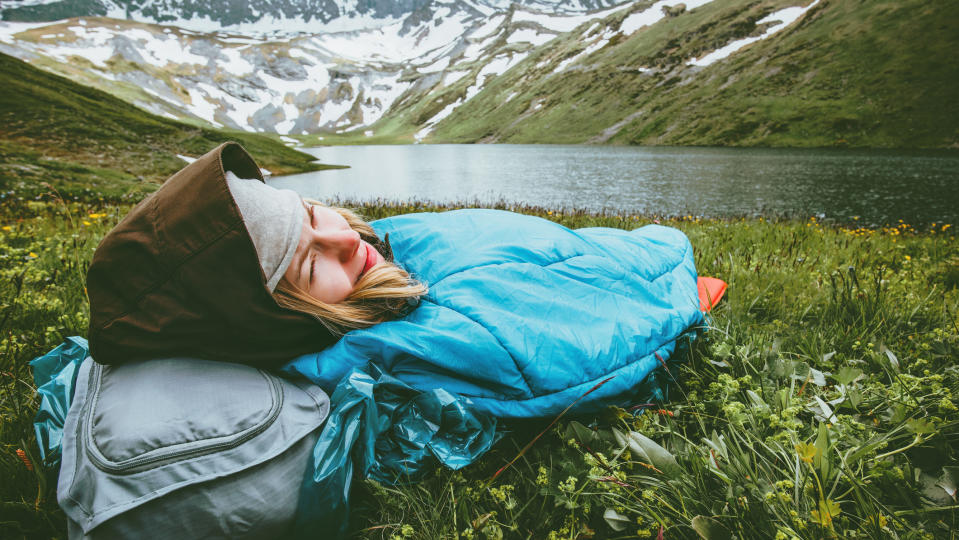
point(343, 243)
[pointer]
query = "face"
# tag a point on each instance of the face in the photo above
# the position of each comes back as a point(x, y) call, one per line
point(330, 257)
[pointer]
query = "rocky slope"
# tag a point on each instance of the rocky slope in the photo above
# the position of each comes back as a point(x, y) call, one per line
point(732, 72)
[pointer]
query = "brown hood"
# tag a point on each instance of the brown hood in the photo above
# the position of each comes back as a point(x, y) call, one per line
point(180, 276)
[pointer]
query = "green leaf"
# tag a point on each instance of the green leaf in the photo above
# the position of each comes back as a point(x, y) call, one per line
point(755, 400)
point(649, 451)
point(709, 529)
point(822, 460)
point(618, 522)
point(920, 426)
point(805, 373)
point(581, 433)
point(847, 375)
point(893, 360)
point(855, 397)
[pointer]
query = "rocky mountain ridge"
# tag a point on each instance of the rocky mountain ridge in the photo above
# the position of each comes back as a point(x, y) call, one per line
point(264, 16)
point(297, 84)
point(729, 72)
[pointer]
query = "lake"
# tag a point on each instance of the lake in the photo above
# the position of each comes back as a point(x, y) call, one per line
point(870, 186)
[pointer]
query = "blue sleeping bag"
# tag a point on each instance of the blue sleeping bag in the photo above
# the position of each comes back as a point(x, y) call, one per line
point(523, 318)
point(523, 315)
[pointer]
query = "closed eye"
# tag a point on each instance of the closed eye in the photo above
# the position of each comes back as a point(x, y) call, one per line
point(312, 225)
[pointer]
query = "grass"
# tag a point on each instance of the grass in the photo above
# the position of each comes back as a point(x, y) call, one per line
point(821, 404)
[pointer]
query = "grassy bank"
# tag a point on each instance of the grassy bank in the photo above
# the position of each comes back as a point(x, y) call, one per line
point(87, 143)
point(821, 404)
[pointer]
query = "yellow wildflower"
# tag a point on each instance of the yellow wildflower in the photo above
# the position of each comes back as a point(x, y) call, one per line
point(806, 451)
point(828, 509)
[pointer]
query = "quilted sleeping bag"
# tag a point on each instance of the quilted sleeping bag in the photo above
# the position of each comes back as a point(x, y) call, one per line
point(523, 315)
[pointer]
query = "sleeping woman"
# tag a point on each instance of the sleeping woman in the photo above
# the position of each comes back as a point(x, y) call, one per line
point(424, 328)
point(521, 315)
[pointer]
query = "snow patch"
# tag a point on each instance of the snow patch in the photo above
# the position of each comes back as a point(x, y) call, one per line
point(452, 76)
point(234, 64)
point(438, 65)
point(565, 23)
point(654, 14)
point(784, 16)
point(488, 27)
point(528, 35)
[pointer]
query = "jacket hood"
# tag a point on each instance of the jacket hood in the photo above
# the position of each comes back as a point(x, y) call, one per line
point(179, 275)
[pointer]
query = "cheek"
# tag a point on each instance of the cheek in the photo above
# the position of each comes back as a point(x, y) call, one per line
point(333, 285)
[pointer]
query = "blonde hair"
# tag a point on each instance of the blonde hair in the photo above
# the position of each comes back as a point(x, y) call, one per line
point(384, 292)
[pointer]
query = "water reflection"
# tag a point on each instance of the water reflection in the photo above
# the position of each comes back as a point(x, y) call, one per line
point(880, 187)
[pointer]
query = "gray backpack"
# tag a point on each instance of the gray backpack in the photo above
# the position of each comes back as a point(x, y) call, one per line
point(186, 448)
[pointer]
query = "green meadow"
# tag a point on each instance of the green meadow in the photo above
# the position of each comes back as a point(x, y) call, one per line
point(821, 402)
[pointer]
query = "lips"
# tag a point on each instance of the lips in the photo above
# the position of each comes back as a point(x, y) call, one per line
point(370, 258)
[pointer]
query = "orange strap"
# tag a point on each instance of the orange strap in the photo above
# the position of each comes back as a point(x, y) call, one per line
point(711, 291)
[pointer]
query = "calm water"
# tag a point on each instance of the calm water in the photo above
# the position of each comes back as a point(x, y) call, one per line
point(878, 187)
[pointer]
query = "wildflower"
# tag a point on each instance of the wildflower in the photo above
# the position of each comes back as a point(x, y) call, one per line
point(542, 478)
point(908, 258)
point(32, 255)
point(87, 223)
point(7, 228)
point(785, 484)
point(806, 452)
point(828, 509)
point(25, 459)
point(569, 485)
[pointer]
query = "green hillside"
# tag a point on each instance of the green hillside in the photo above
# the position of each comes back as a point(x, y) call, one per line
point(850, 73)
point(81, 140)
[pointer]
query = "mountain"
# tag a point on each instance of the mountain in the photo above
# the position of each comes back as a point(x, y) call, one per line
point(875, 73)
point(301, 83)
point(268, 15)
point(842, 73)
point(78, 139)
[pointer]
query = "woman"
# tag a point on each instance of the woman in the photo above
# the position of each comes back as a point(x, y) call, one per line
point(523, 315)
point(218, 265)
